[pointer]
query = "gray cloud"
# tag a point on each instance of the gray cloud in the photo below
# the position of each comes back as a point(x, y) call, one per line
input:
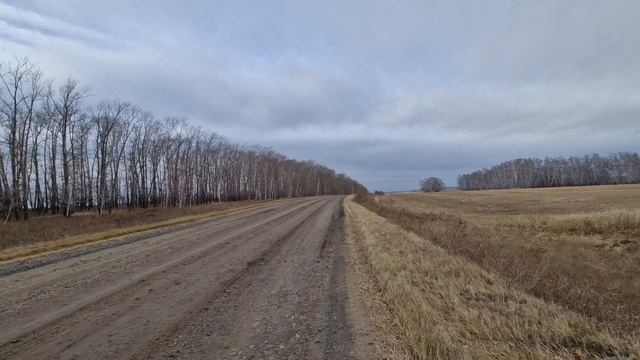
point(388, 92)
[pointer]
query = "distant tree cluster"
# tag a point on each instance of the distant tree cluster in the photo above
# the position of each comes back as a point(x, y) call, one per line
point(57, 155)
point(431, 184)
point(620, 168)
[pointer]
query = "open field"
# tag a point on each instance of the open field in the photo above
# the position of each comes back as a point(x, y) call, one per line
point(443, 306)
point(576, 247)
point(269, 282)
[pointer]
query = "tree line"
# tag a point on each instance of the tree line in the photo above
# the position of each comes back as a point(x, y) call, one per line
point(58, 155)
point(620, 168)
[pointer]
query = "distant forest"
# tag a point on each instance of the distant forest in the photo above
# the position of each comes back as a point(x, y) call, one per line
point(58, 155)
point(620, 168)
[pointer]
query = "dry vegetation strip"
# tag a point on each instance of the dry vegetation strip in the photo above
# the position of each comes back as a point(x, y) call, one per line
point(36, 236)
point(446, 307)
point(578, 247)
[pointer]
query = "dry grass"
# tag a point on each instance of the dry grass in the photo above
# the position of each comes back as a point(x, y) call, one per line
point(446, 307)
point(544, 201)
point(577, 247)
point(608, 223)
point(39, 235)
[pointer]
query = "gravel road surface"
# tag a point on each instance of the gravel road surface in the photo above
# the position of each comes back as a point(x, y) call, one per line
point(273, 282)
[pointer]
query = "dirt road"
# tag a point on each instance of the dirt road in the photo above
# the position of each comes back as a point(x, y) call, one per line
point(272, 282)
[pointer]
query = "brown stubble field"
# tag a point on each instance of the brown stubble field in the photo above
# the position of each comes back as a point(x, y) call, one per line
point(577, 248)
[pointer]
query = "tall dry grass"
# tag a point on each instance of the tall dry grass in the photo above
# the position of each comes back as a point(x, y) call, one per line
point(446, 307)
point(582, 252)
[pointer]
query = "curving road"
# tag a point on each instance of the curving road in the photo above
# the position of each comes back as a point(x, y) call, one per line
point(271, 282)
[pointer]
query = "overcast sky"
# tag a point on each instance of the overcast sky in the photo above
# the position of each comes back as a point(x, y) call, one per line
point(386, 91)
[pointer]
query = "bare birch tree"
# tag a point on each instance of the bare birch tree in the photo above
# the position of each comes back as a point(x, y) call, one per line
point(56, 154)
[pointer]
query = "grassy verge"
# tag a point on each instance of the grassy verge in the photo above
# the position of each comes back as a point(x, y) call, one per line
point(21, 252)
point(445, 307)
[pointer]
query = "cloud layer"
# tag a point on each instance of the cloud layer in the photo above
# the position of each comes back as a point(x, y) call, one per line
point(388, 92)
